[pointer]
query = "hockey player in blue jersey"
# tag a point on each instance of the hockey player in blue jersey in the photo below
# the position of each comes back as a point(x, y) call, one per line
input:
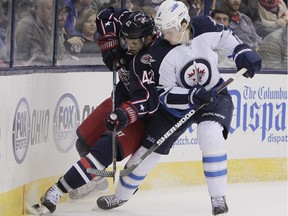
point(135, 100)
point(187, 76)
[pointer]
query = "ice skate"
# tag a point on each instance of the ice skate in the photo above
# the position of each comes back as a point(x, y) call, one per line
point(109, 202)
point(219, 205)
point(97, 187)
point(38, 210)
point(49, 200)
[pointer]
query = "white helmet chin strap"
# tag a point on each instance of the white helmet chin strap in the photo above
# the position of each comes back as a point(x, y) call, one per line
point(182, 34)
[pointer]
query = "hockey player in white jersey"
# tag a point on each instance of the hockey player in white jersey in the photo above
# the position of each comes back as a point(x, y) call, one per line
point(188, 77)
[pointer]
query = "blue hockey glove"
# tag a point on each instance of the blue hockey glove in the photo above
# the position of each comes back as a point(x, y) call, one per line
point(121, 117)
point(199, 95)
point(245, 57)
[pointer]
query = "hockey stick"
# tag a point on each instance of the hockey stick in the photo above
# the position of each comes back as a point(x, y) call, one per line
point(128, 170)
point(114, 153)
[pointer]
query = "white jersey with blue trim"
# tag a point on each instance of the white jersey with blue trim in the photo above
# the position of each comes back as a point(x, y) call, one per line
point(194, 62)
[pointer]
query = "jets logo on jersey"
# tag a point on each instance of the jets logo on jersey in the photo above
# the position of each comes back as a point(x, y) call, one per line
point(196, 74)
point(196, 71)
point(147, 59)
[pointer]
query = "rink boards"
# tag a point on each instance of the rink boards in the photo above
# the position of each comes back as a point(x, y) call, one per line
point(39, 113)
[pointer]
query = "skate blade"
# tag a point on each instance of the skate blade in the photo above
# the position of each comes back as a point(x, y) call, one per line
point(33, 210)
point(223, 214)
point(93, 194)
point(38, 210)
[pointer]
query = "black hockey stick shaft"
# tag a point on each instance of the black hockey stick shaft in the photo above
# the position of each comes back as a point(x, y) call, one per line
point(114, 149)
point(128, 170)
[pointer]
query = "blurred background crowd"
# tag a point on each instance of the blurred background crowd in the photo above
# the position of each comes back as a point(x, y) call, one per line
point(29, 26)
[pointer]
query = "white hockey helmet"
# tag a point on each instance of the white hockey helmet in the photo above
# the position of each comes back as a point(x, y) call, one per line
point(170, 14)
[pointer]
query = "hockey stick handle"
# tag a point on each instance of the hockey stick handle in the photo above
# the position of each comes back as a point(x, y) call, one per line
point(128, 170)
point(114, 153)
point(231, 79)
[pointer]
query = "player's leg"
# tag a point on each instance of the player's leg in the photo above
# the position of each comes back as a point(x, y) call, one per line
point(90, 130)
point(130, 139)
point(211, 133)
point(214, 159)
point(127, 185)
point(76, 176)
point(99, 157)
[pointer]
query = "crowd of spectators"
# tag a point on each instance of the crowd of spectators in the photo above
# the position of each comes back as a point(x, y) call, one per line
point(3, 46)
point(262, 24)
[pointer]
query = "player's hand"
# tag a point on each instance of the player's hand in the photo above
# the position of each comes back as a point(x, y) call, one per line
point(121, 117)
point(111, 49)
point(245, 57)
point(199, 95)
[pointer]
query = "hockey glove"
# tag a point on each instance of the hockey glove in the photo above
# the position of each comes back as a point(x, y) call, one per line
point(245, 57)
point(198, 95)
point(121, 117)
point(111, 49)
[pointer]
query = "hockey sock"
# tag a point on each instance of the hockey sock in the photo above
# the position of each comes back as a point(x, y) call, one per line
point(215, 171)
point(214, 157)
point(77, 175)
point(127, 185)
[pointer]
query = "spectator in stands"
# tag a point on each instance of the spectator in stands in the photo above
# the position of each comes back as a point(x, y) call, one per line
point(129, 5)
point(242, 25)
point(117, 4)
point(69, 42)
point(66, 44)
point(22, 6)
point(86, 26)
point(193, 7)
point(273, 50)
point(34, 36)
point(142, 3)
point(96, 4)
point(148, 10)
point(251, 9)
point(201, 10)
point(222, 17)
point(156, 3)
point(273, 13)
point(3, 47)
point(76, 8)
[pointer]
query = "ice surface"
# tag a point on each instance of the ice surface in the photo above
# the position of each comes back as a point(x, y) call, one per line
point(245, 199)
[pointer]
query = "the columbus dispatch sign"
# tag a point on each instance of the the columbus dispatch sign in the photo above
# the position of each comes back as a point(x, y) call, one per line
point(261, 111)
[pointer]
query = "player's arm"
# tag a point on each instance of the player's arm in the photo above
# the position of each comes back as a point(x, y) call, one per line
point(108, 23)
point(178, 101)
point(223, 38)
point(144, 98)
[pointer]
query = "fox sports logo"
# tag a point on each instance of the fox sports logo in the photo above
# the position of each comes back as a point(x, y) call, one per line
point(65, 122)
point(21, 130)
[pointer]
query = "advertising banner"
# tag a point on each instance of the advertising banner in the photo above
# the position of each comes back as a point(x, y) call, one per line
point(39, 114)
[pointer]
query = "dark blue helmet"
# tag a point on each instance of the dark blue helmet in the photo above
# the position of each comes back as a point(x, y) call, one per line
point(137, 26)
